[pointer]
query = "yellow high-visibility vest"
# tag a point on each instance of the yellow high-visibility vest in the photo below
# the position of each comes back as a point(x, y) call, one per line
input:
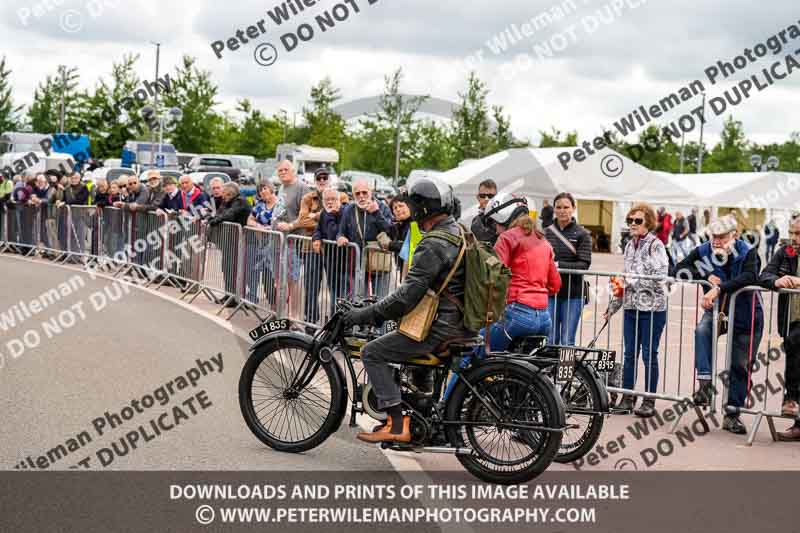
point(416, 236)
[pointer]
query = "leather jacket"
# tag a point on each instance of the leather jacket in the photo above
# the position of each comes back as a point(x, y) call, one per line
point(433, 259)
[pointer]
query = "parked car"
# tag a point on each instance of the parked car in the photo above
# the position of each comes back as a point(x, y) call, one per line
point(164, 173)
point(203, 179)
point(247, 165)
point(380, 185)
point(184, 159)
point(215, 163)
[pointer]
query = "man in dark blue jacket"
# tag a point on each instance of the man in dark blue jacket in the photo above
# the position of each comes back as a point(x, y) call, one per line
point(729, 264)
point(361, 224)
point(338, 262)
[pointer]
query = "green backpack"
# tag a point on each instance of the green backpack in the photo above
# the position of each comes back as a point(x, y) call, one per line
point(487, 280)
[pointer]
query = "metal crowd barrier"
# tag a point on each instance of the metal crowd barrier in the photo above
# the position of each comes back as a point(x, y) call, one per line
point(221, 264)
point(675, 354)
point(314, 280)
point(22, 226)
point(114, 228)
point(771, 383)
point(146, 240)
point(263, 269)
point(84, 229)
point(184, 247)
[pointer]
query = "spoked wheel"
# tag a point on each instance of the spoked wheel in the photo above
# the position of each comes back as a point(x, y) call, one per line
point(290, 401)
point(582, 399)
point(505, 450)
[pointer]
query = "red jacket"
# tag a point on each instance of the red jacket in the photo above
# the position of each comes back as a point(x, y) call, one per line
point(664, 227)
point(533, 272)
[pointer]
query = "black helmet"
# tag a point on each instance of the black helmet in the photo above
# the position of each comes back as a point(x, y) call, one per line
point(428, 197)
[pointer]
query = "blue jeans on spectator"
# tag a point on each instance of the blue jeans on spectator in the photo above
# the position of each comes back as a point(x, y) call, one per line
point(742, 357)
point(565, 313)
point(519, 320)
point(642, 330)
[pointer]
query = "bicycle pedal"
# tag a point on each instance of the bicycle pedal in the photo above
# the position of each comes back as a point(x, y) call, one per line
point(618, 411)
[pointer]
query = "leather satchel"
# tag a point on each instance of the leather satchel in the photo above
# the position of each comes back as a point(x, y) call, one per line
point(416, 325)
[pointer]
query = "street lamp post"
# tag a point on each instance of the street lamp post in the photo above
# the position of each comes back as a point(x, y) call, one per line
point(700, 150)
point(397, 140)
point(155, 105)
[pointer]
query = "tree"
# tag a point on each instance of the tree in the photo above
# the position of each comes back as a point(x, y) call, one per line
point(377, 135)
point(259, 135)
point(326, 127)
point(9, 113)
point(110, 115)
point(44, 114)
point(553, 139)
point(730, 155)
point(471, 121)
point(194, 93)
point(502, 137)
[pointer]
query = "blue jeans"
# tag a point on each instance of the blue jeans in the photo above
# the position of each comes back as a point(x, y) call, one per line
point(642, 331)
point(742, 357)
point(518, 321)
point(565, 313)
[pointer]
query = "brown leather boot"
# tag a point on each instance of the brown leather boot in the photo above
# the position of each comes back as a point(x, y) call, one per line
point(790, 408)
point(385, 433)
point(790, 435)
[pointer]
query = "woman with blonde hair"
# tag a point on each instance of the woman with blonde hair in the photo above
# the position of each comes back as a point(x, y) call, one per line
point(644, 302)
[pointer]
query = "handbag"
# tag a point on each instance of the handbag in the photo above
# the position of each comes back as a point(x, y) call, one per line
point(377, 259)
point(416, 325)
point(572, 249)
point(722, 318)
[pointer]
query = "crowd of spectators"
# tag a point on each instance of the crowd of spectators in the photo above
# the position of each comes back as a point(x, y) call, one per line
point(659, 245)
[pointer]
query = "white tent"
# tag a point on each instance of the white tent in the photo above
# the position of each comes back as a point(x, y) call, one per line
point(608, 175)
point(516, 171)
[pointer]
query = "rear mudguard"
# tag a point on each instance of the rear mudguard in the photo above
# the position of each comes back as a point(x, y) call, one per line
point(529, 367)
point(277, 336)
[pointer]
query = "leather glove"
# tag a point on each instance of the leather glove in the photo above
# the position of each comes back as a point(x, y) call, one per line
point(357, 317)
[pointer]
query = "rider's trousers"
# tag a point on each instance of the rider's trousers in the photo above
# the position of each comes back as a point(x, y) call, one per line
point(395, 347)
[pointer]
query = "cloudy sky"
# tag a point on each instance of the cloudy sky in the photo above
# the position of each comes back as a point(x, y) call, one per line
point(609, 56)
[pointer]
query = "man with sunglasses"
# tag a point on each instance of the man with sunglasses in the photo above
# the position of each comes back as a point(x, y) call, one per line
point(783, 272)
point(728, 264)
point(362, 222)
point(484, 230)
point(135, 194)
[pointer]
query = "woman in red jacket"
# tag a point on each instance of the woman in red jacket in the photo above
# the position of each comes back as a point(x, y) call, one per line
point(534, 276)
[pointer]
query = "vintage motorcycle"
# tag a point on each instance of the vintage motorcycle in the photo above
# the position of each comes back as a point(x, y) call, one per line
point(504, 419)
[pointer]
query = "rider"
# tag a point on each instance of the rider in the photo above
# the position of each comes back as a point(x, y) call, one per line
point(432, 205)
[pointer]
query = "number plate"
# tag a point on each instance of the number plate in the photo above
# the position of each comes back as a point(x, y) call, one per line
point(269, 327)
point(566, 364)
point(606, 362)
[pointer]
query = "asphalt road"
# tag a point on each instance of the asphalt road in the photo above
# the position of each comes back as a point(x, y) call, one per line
point(52, 391)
